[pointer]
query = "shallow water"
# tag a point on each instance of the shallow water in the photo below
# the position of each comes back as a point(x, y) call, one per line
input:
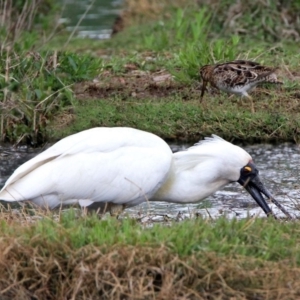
point(279, 170)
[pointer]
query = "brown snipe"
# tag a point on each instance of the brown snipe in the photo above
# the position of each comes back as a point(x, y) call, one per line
point(237, 77)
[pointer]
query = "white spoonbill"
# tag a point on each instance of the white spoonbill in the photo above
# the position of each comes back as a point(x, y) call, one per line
point(113, 167)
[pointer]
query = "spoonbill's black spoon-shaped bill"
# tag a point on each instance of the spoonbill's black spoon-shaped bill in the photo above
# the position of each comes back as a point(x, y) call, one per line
point(107, 167)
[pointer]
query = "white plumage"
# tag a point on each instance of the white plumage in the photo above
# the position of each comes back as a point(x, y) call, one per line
point(126, 166)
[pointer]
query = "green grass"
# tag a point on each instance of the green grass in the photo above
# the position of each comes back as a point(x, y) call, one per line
point(177, 119)
point(267, 239)
point(36, 90)
point(174, 46)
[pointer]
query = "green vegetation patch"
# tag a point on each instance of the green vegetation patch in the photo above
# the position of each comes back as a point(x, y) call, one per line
point(173, 118)
point(150, 72)
point(35, 87)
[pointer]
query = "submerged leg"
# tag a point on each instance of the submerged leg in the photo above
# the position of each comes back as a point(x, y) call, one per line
point(116, 209)
point(102, 208)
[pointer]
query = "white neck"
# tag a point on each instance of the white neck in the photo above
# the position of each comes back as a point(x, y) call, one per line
point(202, 170)
point(189, 182)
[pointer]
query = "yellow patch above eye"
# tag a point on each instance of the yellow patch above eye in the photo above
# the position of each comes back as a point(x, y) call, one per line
point(248, 169)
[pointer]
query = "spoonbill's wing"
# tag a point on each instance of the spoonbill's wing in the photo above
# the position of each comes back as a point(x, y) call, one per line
point(101, 164)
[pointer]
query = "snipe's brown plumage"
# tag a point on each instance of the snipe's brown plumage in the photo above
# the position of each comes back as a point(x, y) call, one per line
point(237, 77)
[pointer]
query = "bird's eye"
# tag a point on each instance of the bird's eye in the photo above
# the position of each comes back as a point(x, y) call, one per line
point(247, 169)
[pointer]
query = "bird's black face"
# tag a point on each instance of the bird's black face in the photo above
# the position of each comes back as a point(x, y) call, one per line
point(250, 180)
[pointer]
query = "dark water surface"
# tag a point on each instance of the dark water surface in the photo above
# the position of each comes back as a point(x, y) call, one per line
point(279, 170)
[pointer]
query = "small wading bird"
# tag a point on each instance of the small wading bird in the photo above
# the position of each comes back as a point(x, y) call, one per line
point(237, 77)
point(113, 168)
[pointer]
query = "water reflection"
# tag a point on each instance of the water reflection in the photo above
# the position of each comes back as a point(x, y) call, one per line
point(279, 170)
point(92, 19)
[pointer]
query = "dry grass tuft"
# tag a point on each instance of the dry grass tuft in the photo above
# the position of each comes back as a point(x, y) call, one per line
point(45, 264)
point(44, 270)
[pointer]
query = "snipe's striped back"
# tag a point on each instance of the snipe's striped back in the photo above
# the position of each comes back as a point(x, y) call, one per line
point(237, 77)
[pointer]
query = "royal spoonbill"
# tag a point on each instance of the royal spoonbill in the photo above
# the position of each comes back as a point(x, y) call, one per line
point(112, 167)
